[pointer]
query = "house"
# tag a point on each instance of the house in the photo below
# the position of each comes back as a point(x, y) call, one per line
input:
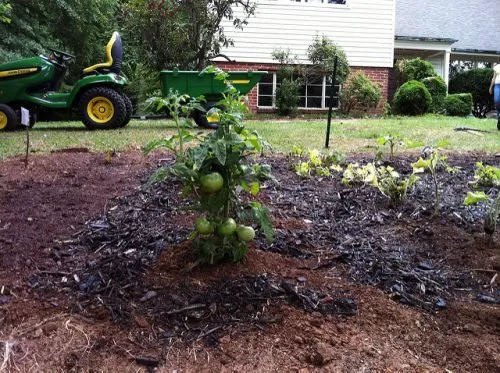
point(373, 34)
point(450, 31)
point(363, 28)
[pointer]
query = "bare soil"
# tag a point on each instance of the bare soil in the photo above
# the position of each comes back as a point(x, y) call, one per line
point(96, 275)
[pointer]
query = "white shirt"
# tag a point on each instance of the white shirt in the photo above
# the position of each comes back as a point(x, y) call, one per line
point(497, 72)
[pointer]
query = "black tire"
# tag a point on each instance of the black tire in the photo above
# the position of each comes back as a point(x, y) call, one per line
point(130, 110)
point(102, 108)
point(200, 118)
point(9, 121)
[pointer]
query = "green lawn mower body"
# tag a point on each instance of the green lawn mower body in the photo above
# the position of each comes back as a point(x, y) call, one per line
point(35, 83)
point(196, 84)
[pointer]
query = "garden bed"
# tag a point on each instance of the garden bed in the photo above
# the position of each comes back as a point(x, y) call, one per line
point(349, 283)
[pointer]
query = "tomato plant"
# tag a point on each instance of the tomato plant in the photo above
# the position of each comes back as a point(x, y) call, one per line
point(216, 172)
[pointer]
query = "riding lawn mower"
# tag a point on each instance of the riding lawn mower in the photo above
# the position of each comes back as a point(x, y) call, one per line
point(35, 83)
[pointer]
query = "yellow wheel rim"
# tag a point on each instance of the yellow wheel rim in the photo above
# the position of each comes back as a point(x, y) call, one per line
point(213, 118)
point(3, 120)
point(100, 109)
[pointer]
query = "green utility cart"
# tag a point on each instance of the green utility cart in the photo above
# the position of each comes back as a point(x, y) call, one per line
point(196, 83)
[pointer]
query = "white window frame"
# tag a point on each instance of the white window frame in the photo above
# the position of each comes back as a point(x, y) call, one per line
point(273, 96)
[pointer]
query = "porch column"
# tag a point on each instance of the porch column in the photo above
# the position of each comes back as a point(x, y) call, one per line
point(446, 67)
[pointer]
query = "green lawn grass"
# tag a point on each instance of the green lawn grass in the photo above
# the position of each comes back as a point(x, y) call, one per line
point(349, 135)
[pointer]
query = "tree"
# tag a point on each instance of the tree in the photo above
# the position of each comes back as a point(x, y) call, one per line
point(322, 53)
point(80, 27)
point(5, 7)
point(183, 33)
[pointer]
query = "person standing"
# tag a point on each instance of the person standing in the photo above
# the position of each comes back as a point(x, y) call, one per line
point(495, 91)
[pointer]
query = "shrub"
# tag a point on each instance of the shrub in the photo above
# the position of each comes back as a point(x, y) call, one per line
point(415, 69)
point(475, 82)
point(287, 97)
point(359, 93)
point(412, 98)
point(287, 93)
point(437, 89)
point(458, 105)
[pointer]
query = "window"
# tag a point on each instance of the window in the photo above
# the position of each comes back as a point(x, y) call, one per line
point(313, 94)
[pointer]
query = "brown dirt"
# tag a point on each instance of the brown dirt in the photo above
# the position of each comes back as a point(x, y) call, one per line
point(46, 205)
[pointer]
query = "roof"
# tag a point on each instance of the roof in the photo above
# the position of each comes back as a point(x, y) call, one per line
point(474, 24)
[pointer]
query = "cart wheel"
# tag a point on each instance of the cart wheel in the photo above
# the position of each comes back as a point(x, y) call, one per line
point(8, 118)
point(206, 121)
point(130, 109)
point(102, 108)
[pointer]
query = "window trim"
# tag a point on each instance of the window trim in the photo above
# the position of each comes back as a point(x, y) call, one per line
point(323, 93)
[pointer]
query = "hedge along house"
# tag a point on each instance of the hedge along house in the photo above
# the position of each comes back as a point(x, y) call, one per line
point(364, 29)
point(448, 33)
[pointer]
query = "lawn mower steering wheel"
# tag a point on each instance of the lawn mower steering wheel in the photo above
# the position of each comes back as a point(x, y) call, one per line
point(61, 57)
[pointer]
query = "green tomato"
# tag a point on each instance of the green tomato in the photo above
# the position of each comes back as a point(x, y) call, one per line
point(245, 233)
point(212, 182)
point(227, 228)
point(203, 226)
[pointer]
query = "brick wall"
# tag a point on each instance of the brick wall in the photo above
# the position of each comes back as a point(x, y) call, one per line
point(380, 75)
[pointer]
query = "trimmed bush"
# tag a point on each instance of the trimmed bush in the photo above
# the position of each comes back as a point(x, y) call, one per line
point(458, 105)
point(360, 93)
point(475, 82)
point(437, 89)
point(287, 97)
point(414, 69)
point(412, 98)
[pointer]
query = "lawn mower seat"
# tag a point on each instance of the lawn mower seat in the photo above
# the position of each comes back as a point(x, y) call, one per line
point(114, 54)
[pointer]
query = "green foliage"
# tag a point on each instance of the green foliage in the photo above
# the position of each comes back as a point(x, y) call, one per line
point(414, 69)
point(475, 82)
point(395, 141)
point(318, 163)
point(412, 98)
point(5, 9)
point(387, 180)
point(438, 90)
point(184, 33)
point(492, 216)
point(224, 152)
point(359, 93)
point(143, 82)
point(79, 27)
point(474, 198)
point(432, 165)
point(392, 185)
point(287, 92)
point(486, 176)
point(458, 105)
point(322, 54)
point(287, 97)
point(356, 175)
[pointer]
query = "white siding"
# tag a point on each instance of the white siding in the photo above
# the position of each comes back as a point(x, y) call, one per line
point(363, 28)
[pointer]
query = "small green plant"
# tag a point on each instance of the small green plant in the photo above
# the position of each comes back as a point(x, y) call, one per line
point(387, 180)
point(297, 151)
point(473, 198)
point(321, 164)
point(492, 216)
point(486, 176)
point(356, 175)
point(392, 185)
point(394, 141)
point(223, 186)
point(179, 108)
point(432, 165)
